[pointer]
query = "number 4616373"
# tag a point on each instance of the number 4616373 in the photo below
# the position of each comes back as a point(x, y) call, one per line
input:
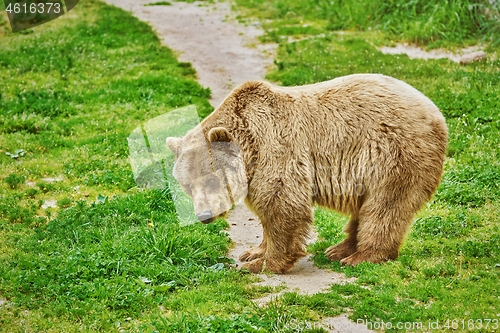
point(33, 8)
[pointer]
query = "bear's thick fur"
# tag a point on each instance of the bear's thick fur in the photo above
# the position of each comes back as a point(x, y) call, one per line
point(366, 145)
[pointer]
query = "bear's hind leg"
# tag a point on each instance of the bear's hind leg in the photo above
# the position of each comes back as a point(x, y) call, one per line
point(256, 252)
point(348, 246)
point(383, 224)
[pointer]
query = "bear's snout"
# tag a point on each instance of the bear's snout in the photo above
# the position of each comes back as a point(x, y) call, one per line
point(205, 217)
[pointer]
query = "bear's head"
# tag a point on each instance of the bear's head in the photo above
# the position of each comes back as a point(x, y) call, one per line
point(215, 179)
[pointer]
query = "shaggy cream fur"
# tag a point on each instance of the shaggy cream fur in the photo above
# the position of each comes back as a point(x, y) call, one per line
point(365, 145)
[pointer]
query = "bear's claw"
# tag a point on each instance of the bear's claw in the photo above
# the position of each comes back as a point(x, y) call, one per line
point(355, 259)
point(255, 266)
point(260, 265)
point(375, 257)
point(340, 251)
point(252, 254)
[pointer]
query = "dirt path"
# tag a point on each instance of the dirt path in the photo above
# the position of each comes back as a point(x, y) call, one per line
point(225, 54)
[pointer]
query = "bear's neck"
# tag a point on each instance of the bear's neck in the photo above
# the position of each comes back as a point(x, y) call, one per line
point(237, 127)
point(225, 118)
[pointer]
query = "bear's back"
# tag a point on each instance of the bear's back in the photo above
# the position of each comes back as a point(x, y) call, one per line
point(364, 93)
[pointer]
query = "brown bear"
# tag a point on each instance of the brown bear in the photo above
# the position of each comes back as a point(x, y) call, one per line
point(366, 145)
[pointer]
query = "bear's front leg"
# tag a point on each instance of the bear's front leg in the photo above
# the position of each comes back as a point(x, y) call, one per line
point(285, 232)
point(281, 197)
point(280, 263)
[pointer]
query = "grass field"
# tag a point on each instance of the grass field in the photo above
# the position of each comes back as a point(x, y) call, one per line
point(73, 90)
point(431, 23)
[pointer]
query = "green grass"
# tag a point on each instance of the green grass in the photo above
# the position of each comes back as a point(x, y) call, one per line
point(71, 101)
point(13, 180)
point(432, 23)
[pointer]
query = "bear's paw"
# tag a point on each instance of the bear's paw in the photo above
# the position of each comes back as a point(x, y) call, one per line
point(375, 257)
point(252, 254)
point(340, 251)
point(260, 265)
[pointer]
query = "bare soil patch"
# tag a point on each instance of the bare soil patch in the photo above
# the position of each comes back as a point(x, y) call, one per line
point(463, 56)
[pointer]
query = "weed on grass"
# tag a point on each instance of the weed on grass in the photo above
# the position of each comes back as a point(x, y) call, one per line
point(13, 180)
point(159, 3)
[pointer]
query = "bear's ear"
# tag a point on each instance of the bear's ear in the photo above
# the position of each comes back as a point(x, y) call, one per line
point(175, 145)
point(219, 134)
